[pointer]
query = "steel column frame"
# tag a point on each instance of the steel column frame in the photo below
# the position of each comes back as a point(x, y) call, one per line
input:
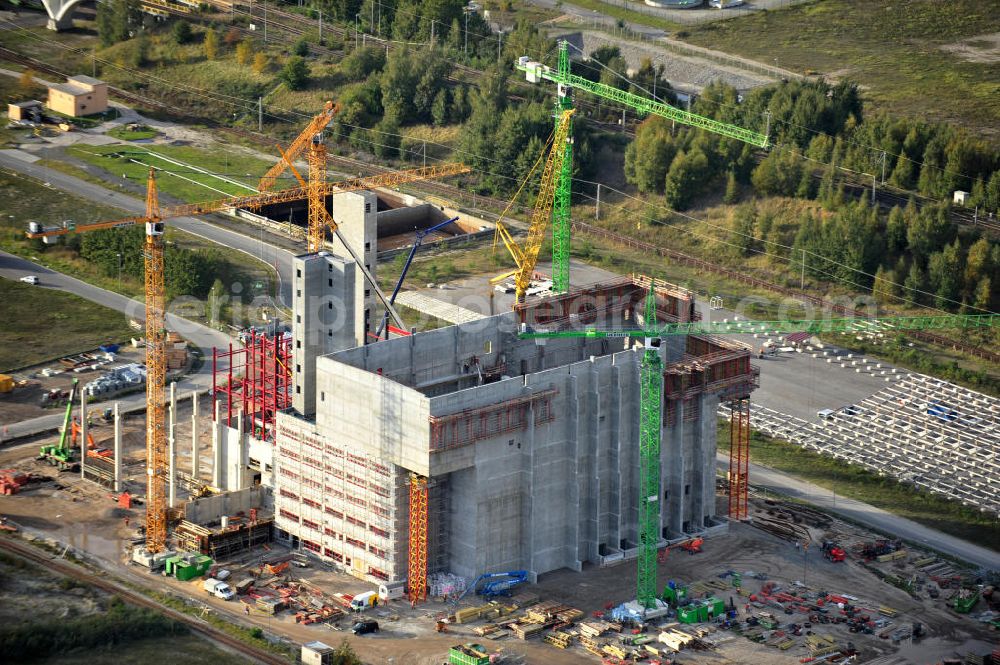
point(739, 458)
point(416, 579)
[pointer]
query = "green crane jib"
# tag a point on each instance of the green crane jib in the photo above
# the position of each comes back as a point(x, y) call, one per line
point(651, 390)
point(887, 324)
point(60, 454)
point(566, 82)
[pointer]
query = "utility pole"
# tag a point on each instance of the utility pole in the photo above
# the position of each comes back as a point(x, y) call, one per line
point(260, 114)
point(371, 21)
point(265, 22)
point(874, 180)
point(802, 279)
point(767, 127)
point(499, 37)
point(597, 207)
point(466, 49)
point(356, 17)
point(425, 153)
point(623, 121)
point(432, 33)
point(883, 167)
point(321, 26)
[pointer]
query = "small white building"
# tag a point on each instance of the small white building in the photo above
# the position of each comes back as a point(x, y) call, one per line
point(960, 197)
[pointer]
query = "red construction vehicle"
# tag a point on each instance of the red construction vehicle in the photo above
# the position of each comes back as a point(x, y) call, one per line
point(692, 546)
point(12, 480)
point(92, 449)
point(833, 551)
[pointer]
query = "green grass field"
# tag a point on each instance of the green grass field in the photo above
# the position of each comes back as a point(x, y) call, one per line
point(932, 510)
point(60, 323)
point(901, 53)
point(187, 184)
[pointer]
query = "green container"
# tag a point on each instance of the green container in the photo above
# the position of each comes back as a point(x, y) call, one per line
point(185, 572)
point(464, 654)
point(170, 565)
point(675, 596)
point(716, 605)
point(703, 612)
point(688, 614)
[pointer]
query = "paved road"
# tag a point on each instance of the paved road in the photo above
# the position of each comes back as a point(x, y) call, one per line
point(14, 267)
point(251, 244)
point(865, 514)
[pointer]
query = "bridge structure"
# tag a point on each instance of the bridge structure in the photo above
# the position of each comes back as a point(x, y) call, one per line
point(60, 13)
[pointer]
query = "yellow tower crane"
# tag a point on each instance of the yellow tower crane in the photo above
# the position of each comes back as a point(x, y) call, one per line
point(525, 258)
point(153, 220)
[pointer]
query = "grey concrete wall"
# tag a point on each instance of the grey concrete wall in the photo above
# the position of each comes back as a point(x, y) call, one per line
point(324, 315)
point(550, 495)
point(210, 508)
point(357, 214)
point(373, 414)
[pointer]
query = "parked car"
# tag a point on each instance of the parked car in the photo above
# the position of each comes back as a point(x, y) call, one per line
point(364, 627)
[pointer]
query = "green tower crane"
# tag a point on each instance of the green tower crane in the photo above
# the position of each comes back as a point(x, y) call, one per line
point(566, 82)
point(651, 382)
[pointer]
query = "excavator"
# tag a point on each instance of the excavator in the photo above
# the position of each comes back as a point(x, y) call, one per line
point(61, 455)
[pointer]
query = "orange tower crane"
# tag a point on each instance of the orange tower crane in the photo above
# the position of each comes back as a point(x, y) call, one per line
point(156, 435)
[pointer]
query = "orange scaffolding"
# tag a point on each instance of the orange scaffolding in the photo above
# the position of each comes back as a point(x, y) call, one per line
point(739, 458)
point(416, 580)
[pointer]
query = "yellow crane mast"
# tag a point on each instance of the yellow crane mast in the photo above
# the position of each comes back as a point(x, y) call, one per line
point(314, 191)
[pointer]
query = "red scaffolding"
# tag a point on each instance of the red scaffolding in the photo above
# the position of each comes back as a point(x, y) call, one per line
point(254, 379)
point(739, 458)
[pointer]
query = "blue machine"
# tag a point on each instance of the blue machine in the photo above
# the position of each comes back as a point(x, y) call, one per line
point(418, 239)
point(500, 584)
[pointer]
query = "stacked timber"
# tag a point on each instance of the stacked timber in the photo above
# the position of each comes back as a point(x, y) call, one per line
point(176, 351)
point(594, 629)
point(525, 631)
point(560, 640)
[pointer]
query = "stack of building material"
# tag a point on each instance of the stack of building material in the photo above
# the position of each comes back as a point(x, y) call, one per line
point(592, 645)
point(177, 352)
point(675, 639)
point(560, 640)
point(525, 631)
point(467, 614)
point(594, 629)
point(821, 645)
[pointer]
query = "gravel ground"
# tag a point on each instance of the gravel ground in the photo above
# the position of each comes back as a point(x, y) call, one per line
point(686, 73)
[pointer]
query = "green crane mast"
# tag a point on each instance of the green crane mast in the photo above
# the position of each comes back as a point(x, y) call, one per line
point(566, 82)
point(651, 370)
point(651, 387)
point(60, 454)
point(651, 382)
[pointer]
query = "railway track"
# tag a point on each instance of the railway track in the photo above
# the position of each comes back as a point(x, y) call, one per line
point(101, 582)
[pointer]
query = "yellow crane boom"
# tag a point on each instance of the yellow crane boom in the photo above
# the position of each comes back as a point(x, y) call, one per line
point(297, 147)
point(526, 257)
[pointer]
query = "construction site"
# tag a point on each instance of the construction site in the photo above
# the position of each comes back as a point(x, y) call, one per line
point(540, 483)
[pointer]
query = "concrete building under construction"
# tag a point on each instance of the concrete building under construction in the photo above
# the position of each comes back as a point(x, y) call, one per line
point(526, 452)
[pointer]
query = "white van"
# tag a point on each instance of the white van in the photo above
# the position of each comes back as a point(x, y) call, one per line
point(825, 414)
point(218, 588)
point(30, 279)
